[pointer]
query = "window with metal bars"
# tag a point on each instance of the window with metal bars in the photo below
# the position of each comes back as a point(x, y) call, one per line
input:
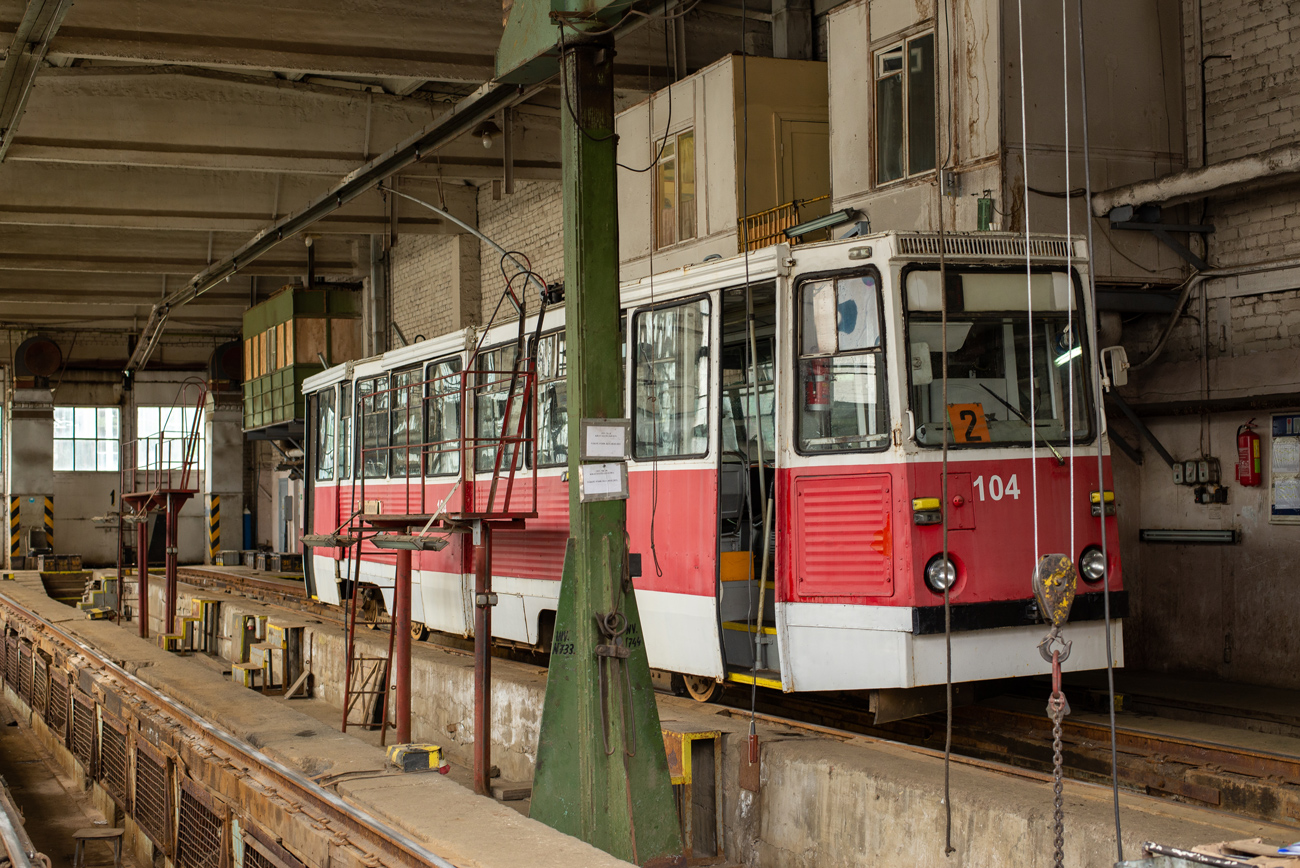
point(150, 795)
point(112, 759)
point(25, 672)
point(83, 731)
point(200, 830)
point(56, 717)
point(40, 686)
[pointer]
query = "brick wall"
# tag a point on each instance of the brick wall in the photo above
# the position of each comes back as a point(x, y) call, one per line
point(1253, 104)
point(434, 285)
point(530, 220)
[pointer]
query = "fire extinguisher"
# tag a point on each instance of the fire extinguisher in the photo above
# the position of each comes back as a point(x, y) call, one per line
point(1248, 461)
point(817, 388)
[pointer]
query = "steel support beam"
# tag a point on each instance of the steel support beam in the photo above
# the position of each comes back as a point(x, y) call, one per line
point(602, 774)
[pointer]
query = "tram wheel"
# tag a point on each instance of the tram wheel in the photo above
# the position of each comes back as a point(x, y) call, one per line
point(701, 688)
point(418, 631)
point(372, 609)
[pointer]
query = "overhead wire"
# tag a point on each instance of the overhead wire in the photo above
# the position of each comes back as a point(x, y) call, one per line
point(1101, 427)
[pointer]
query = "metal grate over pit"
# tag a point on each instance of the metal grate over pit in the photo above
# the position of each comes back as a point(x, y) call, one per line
point(200, 831)
point(151, 795)
point(83, 731)
point(261, 852)
point(56, 716)
point(11, 661)
point(112, 760)
point(25, 672)
point(40, 686)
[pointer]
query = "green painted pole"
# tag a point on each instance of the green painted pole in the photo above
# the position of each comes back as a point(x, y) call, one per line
point(602, 774)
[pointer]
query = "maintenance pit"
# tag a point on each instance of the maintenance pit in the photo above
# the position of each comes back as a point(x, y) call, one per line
point(819, 796)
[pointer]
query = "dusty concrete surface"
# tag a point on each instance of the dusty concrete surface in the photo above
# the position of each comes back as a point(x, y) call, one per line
point(469, 830)
point(823, 801)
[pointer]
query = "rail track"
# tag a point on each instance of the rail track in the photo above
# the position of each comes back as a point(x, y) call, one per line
point(1008, 731)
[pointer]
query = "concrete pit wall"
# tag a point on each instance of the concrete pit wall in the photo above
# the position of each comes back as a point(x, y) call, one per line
point(822, 801)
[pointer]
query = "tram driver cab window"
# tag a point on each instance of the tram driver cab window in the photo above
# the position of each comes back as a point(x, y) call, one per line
point(841, 366)
point(1003, 367)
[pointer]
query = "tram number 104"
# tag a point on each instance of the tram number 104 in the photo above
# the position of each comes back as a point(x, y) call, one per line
point(997, 490)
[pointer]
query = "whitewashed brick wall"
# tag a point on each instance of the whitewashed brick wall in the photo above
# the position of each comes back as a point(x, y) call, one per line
point(433, 285)
point(1253, 105)
point(530, 220)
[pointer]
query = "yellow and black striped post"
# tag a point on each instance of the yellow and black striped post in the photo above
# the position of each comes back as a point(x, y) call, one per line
point(214, 527)
point(49, 522)
point(15, 538)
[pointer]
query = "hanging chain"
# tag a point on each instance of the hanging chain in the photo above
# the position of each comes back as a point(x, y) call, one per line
point(1057, 709)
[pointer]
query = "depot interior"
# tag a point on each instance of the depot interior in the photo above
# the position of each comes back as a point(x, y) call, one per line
point(143, 153)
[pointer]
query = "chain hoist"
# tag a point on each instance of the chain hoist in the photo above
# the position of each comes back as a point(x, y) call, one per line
point(1055, 580)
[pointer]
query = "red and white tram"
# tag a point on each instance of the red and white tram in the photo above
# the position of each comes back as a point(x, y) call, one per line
point(845, 437)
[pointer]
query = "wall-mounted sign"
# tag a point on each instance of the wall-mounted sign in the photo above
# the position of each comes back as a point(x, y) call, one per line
point(605, 440)
point(602, 482)
point(1284, 467)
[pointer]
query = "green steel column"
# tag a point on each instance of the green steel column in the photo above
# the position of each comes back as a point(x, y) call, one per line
point(602, 774)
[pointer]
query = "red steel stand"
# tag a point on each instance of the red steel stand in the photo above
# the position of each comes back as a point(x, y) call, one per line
point(142, 570)
point(401, 627)
point(483, 660)
point(174, 504)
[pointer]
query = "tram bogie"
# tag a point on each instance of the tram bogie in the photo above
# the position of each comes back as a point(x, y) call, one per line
point(819, 390)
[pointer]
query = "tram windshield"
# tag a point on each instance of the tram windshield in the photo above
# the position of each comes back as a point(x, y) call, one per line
point(994, 388)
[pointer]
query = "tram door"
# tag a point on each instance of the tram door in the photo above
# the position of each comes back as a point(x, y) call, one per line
point(746, 482)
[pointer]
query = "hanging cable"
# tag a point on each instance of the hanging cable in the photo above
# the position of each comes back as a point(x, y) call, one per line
point(1101, 427)
point(1029, 278)
point(1069, 257)
point(654, 379)
point(948, 849)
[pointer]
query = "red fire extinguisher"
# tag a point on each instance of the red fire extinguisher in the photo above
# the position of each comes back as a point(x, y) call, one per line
point(1248, 461)
point(817, 387)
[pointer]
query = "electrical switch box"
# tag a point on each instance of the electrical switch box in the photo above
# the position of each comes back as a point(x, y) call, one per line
point(1178, 473)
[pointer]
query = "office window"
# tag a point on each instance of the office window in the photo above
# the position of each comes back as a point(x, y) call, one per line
point(675, 190)
point(162, 433)
point(905, 136)
point(85, 438)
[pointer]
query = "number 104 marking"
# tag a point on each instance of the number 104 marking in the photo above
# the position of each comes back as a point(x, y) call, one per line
point(997, 490)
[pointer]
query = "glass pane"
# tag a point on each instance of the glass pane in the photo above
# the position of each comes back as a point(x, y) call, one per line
point(991, 386)
point(62, 454)
point(889, 129)
point(373, 398)
point(819, 318)
point(146, 422)
point(494, 389)
point(84, 454)
point(920, 104)
point(83, 422)
point(666, 199)
point(62, 423)
point(106, 423)
point(325, 428)
point(345, 431)
point(406, 430)
point(672, 381)
point(843, 405)
point(857, 314)
point(444, 418)
point(686, 195)
point(106, 455)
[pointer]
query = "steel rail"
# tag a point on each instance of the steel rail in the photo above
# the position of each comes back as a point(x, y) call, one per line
point(389, 840)
point(16, 843)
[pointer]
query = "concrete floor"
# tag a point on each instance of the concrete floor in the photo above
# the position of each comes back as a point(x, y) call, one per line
point(52, 805)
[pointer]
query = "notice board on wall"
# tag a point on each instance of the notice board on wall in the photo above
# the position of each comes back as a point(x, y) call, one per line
point(1284, 469)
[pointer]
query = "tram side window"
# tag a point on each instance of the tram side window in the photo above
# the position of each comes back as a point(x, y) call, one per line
point(443, 418)
point(672, 380)
point(841, 366)
point(325, 423)
point(552, 402)
point(373, 397)
point(494, 367)
point(407, 423)
point(345, 431)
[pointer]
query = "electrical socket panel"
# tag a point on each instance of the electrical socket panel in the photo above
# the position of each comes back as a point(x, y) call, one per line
point(1178, 473)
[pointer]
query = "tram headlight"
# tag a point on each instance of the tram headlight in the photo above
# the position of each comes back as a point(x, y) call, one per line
point(1092, 564)
point(940, 574)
